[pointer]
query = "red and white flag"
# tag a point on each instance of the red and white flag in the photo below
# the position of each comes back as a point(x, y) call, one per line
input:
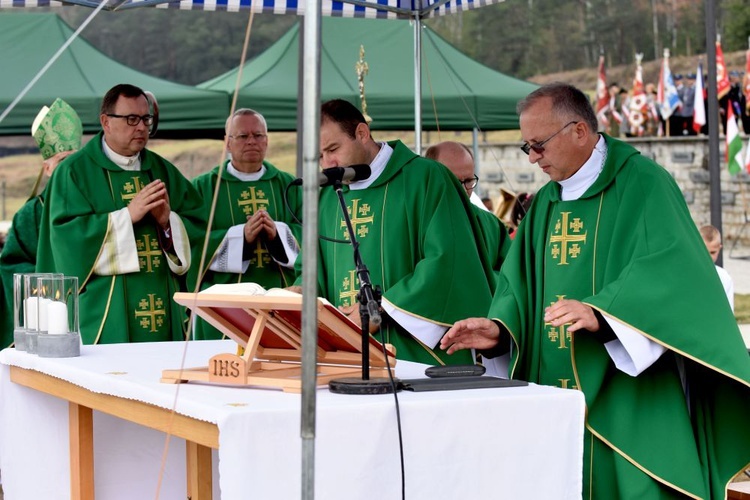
point(722, 77)
point(638, 108)
point(699, 107)
point(602, 97)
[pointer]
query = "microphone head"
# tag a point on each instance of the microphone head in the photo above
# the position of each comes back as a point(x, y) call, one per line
point(359, 172)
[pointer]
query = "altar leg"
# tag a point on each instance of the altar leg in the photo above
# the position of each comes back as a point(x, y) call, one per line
point(199, 471)
point(81, 424)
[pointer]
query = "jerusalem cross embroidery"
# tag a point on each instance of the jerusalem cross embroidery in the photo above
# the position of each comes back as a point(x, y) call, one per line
point(559, 334)
point(261, 257)
point(151, 313)
point(131, 189)
point(349, 289)
point(361, 219)
point(253, 200)
point(565, 239)
point(149, 253)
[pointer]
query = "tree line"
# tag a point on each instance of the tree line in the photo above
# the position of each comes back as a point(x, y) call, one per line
point(522, 38)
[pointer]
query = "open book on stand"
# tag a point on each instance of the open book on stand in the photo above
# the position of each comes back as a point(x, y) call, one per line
point(267, 324)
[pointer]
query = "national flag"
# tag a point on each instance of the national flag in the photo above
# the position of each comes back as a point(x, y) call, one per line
point(734, 143)
point(747, 156)
point(722, 77)
point(602, 96)
point(638, 102)
point(699, 107)
point(746, 85)
point(667, 96)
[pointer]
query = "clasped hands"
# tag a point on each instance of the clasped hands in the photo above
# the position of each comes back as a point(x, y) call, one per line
point(260, 222)
point(154, 199)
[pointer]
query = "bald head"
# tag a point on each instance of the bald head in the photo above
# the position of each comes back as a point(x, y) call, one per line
point(457, 158)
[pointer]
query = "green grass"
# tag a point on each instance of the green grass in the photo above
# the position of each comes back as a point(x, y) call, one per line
point(742, 308)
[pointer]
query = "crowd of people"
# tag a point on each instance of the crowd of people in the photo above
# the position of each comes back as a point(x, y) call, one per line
point(606, 287)
point(640, 116)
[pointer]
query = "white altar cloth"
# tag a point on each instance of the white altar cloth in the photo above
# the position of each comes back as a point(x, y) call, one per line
point(515, 443)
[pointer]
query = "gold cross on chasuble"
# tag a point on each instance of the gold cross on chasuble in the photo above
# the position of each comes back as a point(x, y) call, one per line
point(349, 290)
point(130, 189)
point(559, 334)
point(252, 201)
point(564, 241)
point(149, 253)
point(262, 256)
point(151, 313)
point(361, 219)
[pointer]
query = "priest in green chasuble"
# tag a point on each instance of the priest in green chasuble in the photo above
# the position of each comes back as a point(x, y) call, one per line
point(460, 161)
point(19, 253)
point(254, 237)
point(121, 219)
point(608, 289)
point(417, 238)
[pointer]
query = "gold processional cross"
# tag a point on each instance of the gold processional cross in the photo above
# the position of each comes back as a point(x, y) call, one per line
point(563, 237)
point(362, 68)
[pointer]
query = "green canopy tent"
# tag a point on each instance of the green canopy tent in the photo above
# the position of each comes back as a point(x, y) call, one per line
point(467, 95)
point(81, 77)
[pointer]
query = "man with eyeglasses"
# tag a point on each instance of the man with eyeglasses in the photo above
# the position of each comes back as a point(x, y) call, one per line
point(459, 160)
point(609, 290)
point(415, 235)
point(121, 218)
point(254, 236)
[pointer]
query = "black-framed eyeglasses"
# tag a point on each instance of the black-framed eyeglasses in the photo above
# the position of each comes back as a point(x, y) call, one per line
point(134, 120)
point(538, 147)
point(245, 137)
point(471, 182)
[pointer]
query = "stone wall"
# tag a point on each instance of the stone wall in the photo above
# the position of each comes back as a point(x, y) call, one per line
point(504, 165)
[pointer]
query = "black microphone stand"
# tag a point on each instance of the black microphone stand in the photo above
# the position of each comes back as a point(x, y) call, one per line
point(369, 312)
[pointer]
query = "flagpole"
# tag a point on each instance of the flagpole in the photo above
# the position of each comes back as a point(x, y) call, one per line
point(713, 122)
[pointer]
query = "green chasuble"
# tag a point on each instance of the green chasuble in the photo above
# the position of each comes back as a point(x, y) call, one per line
point(494, 237)
point(629, 249)
point(418, 239)
point(237, 200)
point(82, 193)
point(19, 256)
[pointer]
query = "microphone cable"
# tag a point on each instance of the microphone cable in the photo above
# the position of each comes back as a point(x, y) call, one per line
point(389, 368)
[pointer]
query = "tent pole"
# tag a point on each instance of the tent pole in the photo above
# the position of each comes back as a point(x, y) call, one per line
point(418, 84)
point(310, 161)
point(475, 152)
point(714, 166)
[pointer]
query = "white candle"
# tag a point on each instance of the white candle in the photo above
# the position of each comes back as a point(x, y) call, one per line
point(31, 311)
point(57, 317)
point(44, 314)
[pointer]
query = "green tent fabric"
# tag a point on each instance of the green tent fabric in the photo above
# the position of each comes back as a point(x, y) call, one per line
point(81, 77)
point(463, 89)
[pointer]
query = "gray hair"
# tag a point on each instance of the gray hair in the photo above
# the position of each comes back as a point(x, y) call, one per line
point(568, 102)
point(245, 112)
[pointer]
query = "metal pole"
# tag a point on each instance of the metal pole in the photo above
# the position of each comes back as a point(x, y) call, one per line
point(417, 84)
point(714, 166)
point(475, 152)
point(310, 161)
point(4, 214)
point(300, 92)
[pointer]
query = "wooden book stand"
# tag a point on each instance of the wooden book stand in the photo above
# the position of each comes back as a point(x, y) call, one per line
point(269, 329)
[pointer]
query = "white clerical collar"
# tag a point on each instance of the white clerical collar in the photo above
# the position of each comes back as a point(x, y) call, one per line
point(246, 176)
point(377, 166)
point(131, 163)
point(577, 184)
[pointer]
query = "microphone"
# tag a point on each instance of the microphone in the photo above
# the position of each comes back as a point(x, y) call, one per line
point(329, 176)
